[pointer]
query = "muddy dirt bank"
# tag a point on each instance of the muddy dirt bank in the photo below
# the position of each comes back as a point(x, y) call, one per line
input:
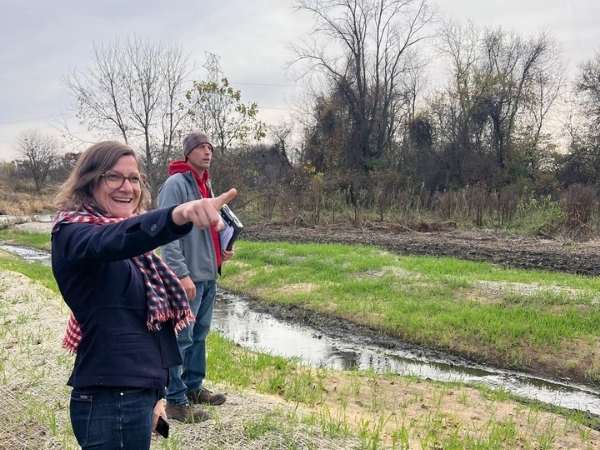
point(509, 250)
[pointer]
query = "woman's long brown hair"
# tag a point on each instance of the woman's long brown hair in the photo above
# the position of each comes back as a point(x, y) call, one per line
point(91, 165)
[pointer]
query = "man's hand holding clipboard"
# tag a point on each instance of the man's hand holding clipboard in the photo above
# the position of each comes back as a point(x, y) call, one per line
point(233, 228)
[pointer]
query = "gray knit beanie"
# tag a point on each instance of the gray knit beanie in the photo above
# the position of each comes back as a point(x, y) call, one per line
point(193, 140)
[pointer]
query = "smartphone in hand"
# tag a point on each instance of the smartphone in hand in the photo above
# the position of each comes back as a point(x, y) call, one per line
point(162, 427)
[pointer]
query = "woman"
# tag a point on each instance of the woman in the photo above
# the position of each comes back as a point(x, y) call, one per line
point(126, 303)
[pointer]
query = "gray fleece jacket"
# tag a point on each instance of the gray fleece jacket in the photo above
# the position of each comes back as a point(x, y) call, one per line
point(193, 254)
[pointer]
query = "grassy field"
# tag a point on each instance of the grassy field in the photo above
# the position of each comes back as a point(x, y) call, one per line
point(273, 402)
point(544, 322)
point(27, 239)
point(540, 321)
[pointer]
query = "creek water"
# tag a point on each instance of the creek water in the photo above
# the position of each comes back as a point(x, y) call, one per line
point(28, 254)
point(237, 318)
point(255, 328)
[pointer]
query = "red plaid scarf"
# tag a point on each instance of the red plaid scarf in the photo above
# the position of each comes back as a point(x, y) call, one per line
point(165, 297)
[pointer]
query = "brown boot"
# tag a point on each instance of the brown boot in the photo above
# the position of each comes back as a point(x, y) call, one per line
point(186, 413)
point(205, 396)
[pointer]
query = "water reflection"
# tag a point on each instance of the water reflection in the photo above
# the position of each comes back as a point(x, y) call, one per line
point(235, 318)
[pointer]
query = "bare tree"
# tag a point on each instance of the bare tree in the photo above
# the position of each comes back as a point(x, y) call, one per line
point(40, 153)
point(502, 88)
point(365, 58)
point(582, 164)
point(588, 87)
point(510, 68)
point(136, 90)
point(281, 134)
point(548, 82)
point(412, 85)
point(547, 86)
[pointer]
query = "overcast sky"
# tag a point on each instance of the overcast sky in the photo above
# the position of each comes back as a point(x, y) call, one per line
point(42, 42)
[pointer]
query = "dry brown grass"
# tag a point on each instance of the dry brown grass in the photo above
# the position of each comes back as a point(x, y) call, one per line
point(452, 410)
point(25, 203)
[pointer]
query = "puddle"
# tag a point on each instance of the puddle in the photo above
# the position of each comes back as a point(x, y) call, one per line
point(241, 321)
point(235, 318)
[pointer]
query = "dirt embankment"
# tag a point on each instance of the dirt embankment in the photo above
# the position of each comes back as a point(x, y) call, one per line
point(509, 250)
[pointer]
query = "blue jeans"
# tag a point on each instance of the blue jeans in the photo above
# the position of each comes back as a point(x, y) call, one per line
point(106, 418)
point(192, 346)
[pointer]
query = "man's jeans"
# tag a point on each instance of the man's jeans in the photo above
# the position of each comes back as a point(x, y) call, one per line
point(192, 346)
point(109, 418)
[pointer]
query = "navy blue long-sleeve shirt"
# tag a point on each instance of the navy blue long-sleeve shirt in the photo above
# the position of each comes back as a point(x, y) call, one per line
point(105, 290)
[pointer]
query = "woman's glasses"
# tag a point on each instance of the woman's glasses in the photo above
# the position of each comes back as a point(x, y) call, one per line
point(116, 180)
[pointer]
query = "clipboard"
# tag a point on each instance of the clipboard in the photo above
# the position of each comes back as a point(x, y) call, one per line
point(233, 228)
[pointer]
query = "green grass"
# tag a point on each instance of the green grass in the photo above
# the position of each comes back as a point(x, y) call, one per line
point(35, 271)
point(443, 267)
point(256, 428)
point(266, 373)
point(25, 238)
point(426, 300)
point(537, 215)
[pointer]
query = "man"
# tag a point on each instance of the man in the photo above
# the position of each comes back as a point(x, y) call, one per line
point(195, 259)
